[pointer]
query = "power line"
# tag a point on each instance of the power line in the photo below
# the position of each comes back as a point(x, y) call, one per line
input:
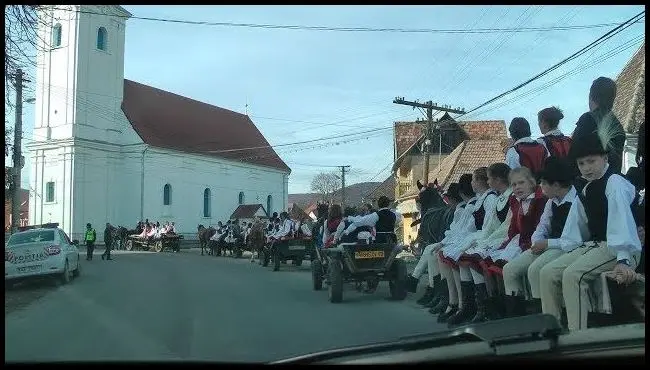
point(355, 29)
point(606, 36)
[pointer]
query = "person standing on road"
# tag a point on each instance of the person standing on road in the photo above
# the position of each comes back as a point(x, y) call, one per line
point(90, 238)
point(108, 241)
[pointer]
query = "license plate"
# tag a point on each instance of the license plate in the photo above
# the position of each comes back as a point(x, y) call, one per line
point(368, 254)
point(25, 269)
point(296, 247)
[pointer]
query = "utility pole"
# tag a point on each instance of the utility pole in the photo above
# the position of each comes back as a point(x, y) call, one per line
point(428, 132)
point(343, 172)
point(17, 155)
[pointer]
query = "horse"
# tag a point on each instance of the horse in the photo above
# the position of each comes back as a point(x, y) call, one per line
point(436, 215)
point(122, 234)
point(256, 239)
point(204, 234)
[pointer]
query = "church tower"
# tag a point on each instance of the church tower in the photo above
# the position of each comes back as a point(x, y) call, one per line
point(78, 116)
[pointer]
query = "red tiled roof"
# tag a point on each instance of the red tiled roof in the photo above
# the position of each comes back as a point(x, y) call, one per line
point(166, 120)
point(408, 134)
point(467, 157)
point(629, 105)
point(246, 211)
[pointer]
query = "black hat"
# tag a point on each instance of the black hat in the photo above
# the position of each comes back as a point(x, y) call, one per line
point(586, 146)
point(557, 170)
point(453, 192)
point(465, 185)
point(88, 225)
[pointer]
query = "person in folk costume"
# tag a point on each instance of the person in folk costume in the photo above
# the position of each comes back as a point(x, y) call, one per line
point(601, 100)
point(383, 221)
point(526, 206)
point(448, 255)
point(332, 225)
point(600, 233)
point(481, 290)
point(524, 152)
point(489, 222)
point(282, 235)
point(556, 183)
point(556, 143)
point(459, 194)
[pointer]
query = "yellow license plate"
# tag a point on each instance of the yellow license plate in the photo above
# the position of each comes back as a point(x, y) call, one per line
point(368, 254)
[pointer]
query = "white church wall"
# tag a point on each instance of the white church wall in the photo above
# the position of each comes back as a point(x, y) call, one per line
point(189, 175)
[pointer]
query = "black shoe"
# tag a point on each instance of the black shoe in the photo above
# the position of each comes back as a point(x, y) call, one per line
point(412, 283)
point(440, 307)
point(481, 304)
point(515, 306)
point(427, 296)
point(468, 310)
point(447, 314)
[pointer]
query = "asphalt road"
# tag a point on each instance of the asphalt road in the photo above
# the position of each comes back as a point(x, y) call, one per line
point(161, 307)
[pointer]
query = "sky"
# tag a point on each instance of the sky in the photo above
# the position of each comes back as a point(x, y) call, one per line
point(299, 85)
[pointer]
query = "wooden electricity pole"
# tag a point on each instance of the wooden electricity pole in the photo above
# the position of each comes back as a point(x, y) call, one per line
point(428, 132)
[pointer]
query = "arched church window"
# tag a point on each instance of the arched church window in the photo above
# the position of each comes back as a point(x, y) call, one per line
point(102, 37)
point(167, 195)
point(56, 35)
point(241, 197)
point(206, 202)
point(269, 205)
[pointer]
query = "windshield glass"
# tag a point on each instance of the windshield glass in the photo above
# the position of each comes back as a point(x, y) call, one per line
point(31, 237)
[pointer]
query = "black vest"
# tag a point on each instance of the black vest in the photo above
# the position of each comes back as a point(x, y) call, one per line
point(558, 219)
point(386, 222)
point(479, 214)
point(503, 213)
point(595, 204)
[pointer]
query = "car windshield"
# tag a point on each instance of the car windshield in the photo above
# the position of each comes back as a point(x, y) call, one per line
point(31, 237)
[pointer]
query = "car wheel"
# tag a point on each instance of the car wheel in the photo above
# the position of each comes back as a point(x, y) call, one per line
point(317, 275)
point(77, 271)
point(397, 284)
point(335, 291)
point(66, 275)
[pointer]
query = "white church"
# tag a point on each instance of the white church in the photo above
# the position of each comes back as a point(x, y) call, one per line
point(106, 149)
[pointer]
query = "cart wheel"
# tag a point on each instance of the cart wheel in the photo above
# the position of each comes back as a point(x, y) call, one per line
point(158, 247)
point(276, 261)
point(335, 291)
point(397, 284)
point(317, 275)
point(129, 245)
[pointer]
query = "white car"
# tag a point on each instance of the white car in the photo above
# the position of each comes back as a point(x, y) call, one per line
point(41, 252)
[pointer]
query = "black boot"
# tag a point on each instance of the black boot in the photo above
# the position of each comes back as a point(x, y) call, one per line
point(468, 310)
point(481, 304)
point(496, 307)
point(515, 306)
point(444, 316)
point(438, 288)
point(427, 296)
point(412, 283)
point(443, 302)
point(534, 306)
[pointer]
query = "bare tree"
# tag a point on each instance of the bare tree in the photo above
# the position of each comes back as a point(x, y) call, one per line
point(325, 184)
point(22, 41)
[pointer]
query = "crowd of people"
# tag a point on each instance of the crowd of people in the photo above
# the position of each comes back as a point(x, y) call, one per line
point(552, 230)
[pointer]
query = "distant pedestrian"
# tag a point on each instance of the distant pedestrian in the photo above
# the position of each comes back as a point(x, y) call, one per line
point(90, 238)
point(108, 241)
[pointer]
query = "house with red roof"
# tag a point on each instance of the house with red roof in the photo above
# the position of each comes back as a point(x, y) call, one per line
point(109, 149)
point(458, 147)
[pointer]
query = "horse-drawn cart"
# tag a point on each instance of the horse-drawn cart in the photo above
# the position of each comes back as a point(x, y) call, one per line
point(167, 241)
point(294, 249)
